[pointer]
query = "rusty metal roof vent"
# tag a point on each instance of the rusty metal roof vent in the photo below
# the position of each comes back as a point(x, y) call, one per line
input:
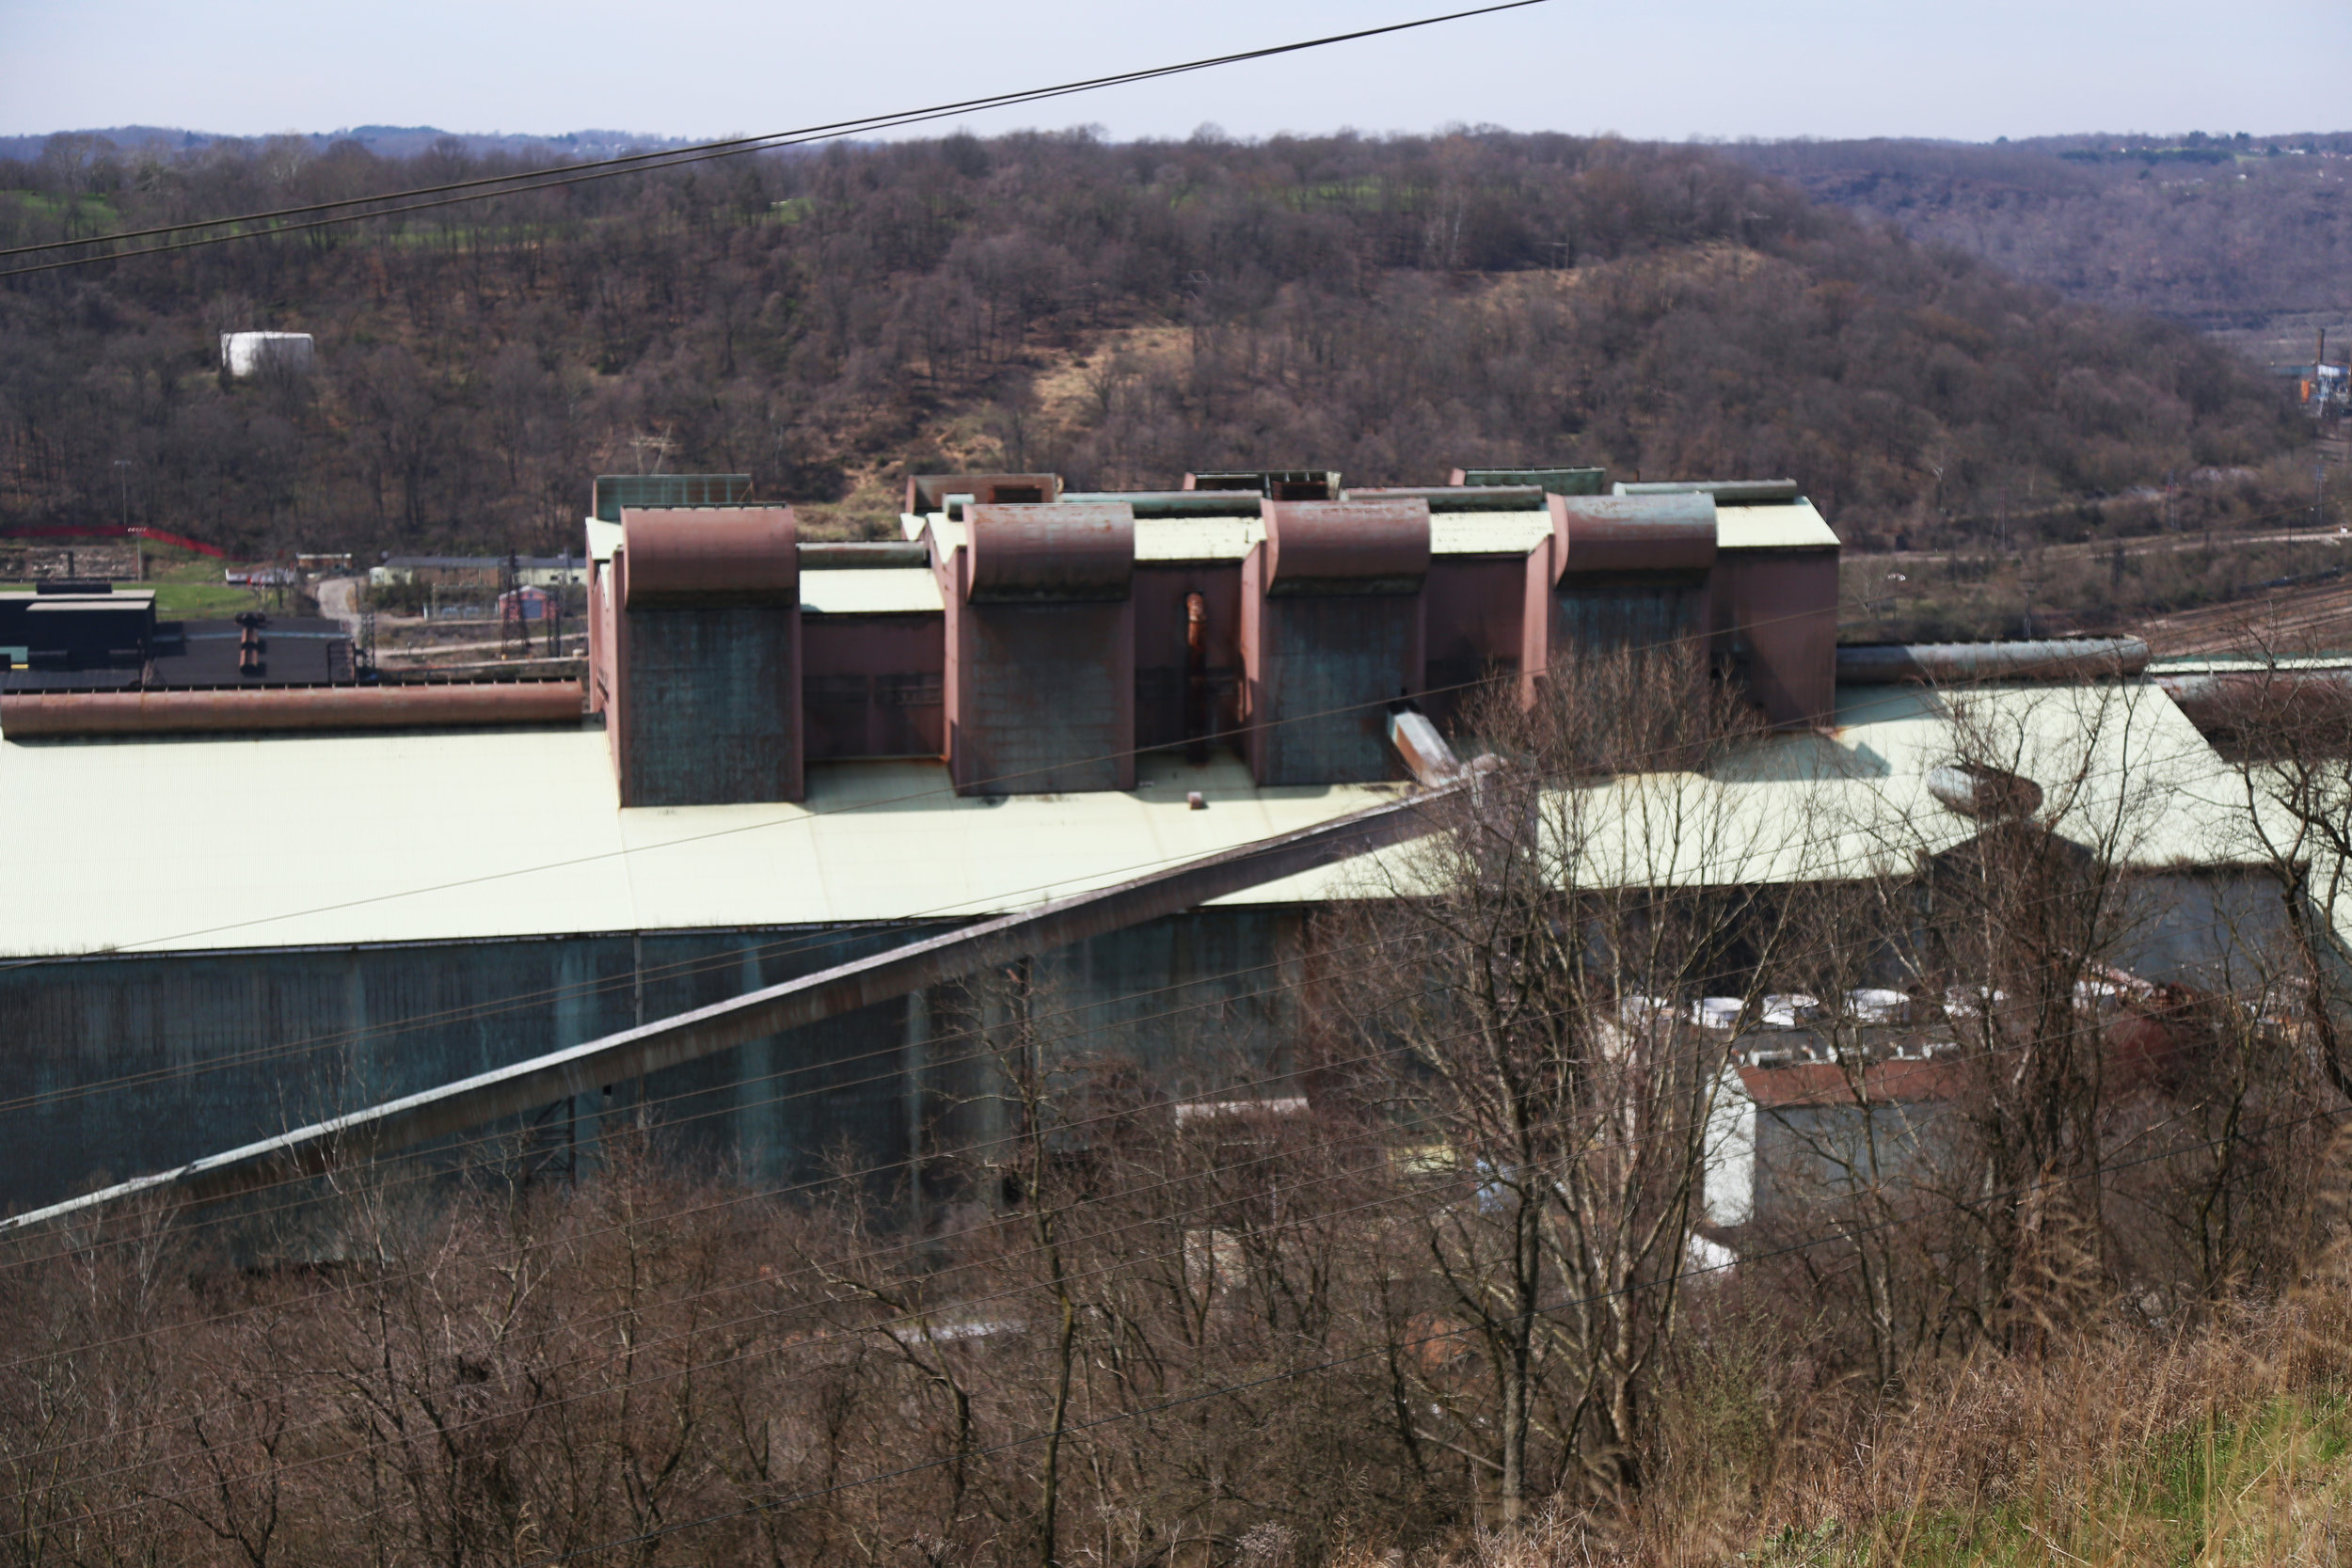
point(1987, 794)
point(1350, 546)
point(1633, 533)
point(1063, 553)
point(1274, 484)
point(710, 555)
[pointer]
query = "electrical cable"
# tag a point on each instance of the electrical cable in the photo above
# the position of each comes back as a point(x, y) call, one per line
point(570, 174)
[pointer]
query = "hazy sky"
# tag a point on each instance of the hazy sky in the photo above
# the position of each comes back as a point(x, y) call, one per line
point(1970, 68)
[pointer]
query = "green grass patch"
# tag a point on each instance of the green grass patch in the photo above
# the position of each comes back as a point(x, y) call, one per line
point(2256, 1486)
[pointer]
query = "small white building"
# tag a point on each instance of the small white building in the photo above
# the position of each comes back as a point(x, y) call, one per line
point(244, 354)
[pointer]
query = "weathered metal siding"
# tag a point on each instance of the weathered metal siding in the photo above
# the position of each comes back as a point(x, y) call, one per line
point(1044, 698)
point(1474, 603)
point(871, 686)
point(1776, 620)
point(710, 708)
point(1614, 612)
point(1320, 671)
point(1163, 671)
point(189, 1053)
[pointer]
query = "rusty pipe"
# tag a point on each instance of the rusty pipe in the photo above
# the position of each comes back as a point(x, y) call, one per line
point(33, 715)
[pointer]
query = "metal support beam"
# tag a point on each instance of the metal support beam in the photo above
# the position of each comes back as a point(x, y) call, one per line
point(585, 1069)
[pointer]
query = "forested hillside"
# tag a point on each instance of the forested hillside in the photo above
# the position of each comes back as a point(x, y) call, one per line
point(1119, 312)
point(2246, 237)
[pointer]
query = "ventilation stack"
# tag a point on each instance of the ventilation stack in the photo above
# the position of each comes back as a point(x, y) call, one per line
point(1332, 634)
point(703, 700)
point(1041, 649)
point(1619, 574)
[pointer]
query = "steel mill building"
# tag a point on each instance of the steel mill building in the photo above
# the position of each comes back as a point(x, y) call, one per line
point(736, 887)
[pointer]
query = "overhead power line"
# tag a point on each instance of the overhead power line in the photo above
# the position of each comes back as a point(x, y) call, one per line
point(487, 186)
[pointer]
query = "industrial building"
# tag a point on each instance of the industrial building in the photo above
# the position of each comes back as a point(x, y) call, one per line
point(1135, 739)
point(66, 635)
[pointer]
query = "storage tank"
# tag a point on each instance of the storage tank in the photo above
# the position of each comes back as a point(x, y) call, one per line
point(244, 354)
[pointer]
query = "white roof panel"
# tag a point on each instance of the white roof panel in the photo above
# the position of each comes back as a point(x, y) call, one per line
point(871, 591)
point(1778, 525)
point(603, 539)
point(1195, 538)
point(1488, 532)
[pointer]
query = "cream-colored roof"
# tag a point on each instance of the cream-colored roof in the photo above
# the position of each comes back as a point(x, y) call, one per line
point(603, 539)
point(947, 533)
point(871, 591)
point(1776, 526)
point(1488, 532)
point(2118, 764)
point(454, 847)
point(1196, 538)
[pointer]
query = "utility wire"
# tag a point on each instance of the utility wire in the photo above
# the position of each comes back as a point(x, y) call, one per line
point(570, 174)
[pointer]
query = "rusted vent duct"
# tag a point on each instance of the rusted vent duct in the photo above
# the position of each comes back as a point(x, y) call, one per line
point(1943, 664)
point(1633, 533)
point(26, 716)
point(1051, 554)
point(708, 555)
point(1347, 546)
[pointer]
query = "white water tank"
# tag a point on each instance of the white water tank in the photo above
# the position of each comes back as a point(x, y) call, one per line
point(247, 353)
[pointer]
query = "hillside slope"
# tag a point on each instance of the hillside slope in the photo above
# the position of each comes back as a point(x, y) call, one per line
point(1119, 312)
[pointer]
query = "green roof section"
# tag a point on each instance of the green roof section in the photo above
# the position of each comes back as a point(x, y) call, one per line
point(615, 491)
point(1554, 482)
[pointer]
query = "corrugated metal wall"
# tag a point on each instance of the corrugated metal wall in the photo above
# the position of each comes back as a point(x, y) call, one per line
point(210, 1050)
point(1322, 670)
point(713, 700)
point(872, 685)
point(1044, 698)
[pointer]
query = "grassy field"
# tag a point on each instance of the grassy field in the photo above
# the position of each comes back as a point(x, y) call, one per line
point(189, 587)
